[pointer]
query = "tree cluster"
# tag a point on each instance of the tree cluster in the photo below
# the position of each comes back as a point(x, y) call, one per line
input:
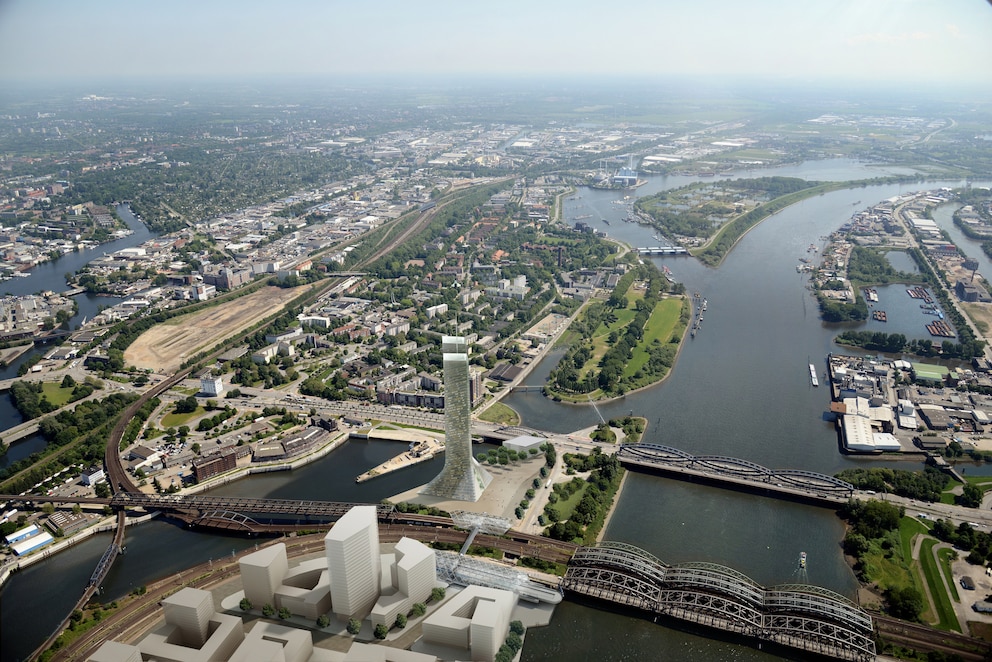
point(925, 485)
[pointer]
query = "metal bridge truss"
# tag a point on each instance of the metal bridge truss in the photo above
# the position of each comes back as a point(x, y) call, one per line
point(819, 636)
point(103, 567)
point(800, 616)
point(453, 568)
point(719, 465)
point(317, 509)
point(237, 519)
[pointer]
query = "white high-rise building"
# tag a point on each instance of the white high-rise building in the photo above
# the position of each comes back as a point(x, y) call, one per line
point(352, 550)
point(190, 611)
point(462, 478)
point(211, 385)
point(409, 574)
point(262, 573)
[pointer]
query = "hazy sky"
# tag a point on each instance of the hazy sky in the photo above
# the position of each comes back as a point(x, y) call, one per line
point(922, 40)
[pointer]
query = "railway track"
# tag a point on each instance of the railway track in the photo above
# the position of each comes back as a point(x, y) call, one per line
point(924, 638)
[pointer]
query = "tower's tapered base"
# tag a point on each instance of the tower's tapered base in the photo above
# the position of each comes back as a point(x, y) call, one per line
point(459, 483)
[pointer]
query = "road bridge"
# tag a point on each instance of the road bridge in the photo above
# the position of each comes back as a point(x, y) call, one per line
point(734, 473)
point(801, 616)
point(661, 250)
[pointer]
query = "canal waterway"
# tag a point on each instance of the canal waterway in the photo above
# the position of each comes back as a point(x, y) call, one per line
point(740, 388)
point(51, 276)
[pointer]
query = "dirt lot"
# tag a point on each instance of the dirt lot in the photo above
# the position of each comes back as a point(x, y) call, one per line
point(162, 348)
point(980, 314)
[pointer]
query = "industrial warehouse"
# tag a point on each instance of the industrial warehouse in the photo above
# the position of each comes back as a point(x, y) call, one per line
point(897, 406)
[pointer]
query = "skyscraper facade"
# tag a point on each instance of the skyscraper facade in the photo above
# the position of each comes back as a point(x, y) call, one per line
point(462, 478)
point(352, 550)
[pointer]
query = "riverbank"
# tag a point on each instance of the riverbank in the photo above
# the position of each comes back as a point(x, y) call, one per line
point(9, 354)
point(713, 252)
point(613, 507)
point(105, 525)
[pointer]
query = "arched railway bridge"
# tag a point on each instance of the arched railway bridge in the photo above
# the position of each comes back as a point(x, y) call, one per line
point(247, 508)
point(739, 474)
point(800, 616)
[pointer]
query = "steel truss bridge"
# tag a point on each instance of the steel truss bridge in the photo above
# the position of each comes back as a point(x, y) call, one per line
point(801, 616)
point(734, 472)
point(238, 511)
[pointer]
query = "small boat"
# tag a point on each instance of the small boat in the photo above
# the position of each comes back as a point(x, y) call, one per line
point(812, 375)
point(802, 560)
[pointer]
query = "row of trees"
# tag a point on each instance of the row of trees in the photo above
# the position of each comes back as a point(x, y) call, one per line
point(926, 485)
point(896, 343)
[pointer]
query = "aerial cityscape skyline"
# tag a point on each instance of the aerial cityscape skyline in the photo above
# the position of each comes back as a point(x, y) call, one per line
point(662, 317)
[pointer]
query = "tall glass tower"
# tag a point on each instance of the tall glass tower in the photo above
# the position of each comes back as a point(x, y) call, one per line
point(462, 478)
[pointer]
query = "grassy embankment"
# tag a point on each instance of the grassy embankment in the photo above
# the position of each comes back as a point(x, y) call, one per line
point(500, 414)
point(944, 610)
point(892, 568)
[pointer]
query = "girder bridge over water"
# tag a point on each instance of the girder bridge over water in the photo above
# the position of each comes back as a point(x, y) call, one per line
point(738, 474)
point(801, 616)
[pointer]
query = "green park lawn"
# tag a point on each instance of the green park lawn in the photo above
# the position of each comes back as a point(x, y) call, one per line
point(567, 506)
point(660, 326)
point(500, 414)
point(55, 394)
point(174, 420)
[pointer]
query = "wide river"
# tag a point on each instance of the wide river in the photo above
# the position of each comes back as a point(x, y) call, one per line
point(740, 388)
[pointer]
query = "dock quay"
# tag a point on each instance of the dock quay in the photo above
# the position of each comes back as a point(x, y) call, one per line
point(9, 355)
point(423, 447)
point(921, 293)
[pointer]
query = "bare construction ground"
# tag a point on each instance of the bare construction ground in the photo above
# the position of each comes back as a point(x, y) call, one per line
point(163, 347)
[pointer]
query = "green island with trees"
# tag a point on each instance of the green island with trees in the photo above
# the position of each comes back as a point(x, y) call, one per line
point(626, 342)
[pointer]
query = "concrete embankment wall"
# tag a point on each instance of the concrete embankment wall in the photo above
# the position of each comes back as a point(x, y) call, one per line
point(107, 525)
